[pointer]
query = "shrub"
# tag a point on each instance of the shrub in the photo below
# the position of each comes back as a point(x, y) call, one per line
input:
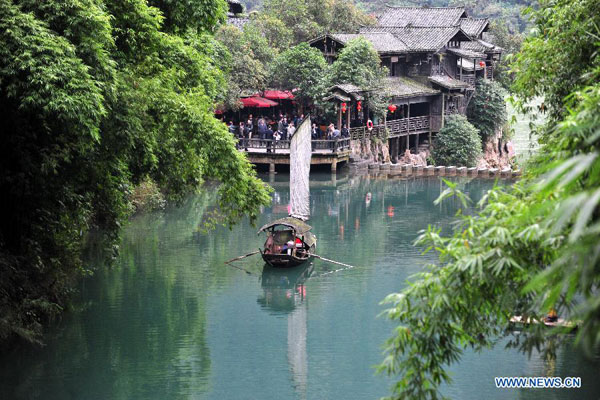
point(458, 143)
point(487, 108)
point(147, 197)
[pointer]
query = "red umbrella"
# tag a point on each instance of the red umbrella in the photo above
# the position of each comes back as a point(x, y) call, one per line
point(278, 94)
point(257, 102)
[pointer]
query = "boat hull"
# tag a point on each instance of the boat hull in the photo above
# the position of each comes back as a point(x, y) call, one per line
point(284, 260)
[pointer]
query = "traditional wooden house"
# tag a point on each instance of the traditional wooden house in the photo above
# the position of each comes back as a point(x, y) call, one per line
point(235, 14)
point(434, 57)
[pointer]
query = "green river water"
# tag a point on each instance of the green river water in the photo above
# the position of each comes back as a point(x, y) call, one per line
point(171, 321)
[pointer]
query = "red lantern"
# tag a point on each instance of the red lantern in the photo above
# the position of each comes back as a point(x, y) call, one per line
point(343, 107)
point(482, 64)
point(392, 108)
point(359, 106)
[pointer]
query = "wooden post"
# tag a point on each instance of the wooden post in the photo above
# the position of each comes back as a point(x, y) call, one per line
point(408, 126)
point(334, 165)
point(347, 119)
point(429, 105)
point(443, 108)
point(339, 124)
point(460, 69)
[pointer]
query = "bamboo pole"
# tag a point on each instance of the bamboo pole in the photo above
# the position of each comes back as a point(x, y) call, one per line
point(333, 262)
point(244, 256)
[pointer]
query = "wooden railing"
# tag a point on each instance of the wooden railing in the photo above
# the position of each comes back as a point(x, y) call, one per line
point(489, 72)
point(470, 79)
point(274, 146)
point(398, 127)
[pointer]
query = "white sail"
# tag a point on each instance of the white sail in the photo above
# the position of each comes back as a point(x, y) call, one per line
point(300, 154)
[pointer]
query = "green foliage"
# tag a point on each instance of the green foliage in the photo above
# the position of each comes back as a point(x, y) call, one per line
point(198, 15)
point(532, 247)
point(146, 196)
point(307, 19)
point(95, 98)
point(558, 58)
point(358, 63)
point(487, 108)
point(245, 71)
point(277, 34)
point(301, 67)
point(511, 45)
point(458, 143)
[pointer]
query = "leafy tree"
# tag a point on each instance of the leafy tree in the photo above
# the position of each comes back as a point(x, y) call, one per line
point(487, 108)
point(531, 248)
point(358, 63)
point(96, 97)
point(199, 15)
point(308, 19)
point(245, 72)
point(457, 143)
point(301, 67)
point(278, 35)
point(511, 45)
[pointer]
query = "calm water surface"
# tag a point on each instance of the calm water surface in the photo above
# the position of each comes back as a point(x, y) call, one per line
point(171, 321)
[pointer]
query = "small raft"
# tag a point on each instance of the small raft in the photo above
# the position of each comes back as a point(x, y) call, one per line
point(519, 320)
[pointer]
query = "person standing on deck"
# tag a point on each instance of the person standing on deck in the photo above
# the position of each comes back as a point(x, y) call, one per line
point(262, 129)
point(246, 133)
point(291, 130)
point(269, 138)
point(241, 134)
point(250, 126)
point(284, 126)
point(314, 133)
point(345, 131)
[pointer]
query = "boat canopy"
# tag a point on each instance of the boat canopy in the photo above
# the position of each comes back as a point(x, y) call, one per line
point(299, 226)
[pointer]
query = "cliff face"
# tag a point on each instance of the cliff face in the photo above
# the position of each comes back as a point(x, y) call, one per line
point(497, 154)
point(366, 149)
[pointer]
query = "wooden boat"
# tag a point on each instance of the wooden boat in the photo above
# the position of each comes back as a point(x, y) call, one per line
point(289, 240)
point(519, 320)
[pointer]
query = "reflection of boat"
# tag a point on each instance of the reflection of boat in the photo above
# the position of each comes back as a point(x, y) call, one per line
point(289, 240)
point(284, 289)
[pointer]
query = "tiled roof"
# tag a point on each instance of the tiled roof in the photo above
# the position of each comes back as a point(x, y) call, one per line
point(383, 42)
point(480, 46)
point(421, 16)
point(347, 88)
point(466, 53)
point(404, 87)
point(419, 39)
point(474, 26)
point(447, 82)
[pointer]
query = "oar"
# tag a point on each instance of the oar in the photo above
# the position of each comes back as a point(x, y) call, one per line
point(333, 262)
point(244, 256)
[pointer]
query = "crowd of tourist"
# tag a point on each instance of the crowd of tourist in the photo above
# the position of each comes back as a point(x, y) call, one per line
point(283, 128)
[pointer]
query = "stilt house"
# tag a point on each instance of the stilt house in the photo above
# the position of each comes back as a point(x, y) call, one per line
point(434, 57)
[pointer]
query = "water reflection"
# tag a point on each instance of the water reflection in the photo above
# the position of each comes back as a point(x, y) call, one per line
point(171, 321)
point(284, 291)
